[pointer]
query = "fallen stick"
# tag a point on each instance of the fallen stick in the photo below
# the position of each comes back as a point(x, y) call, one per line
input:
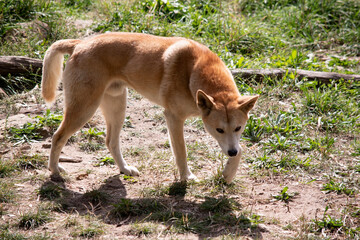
point(25, 65)
point(19, 65)
point(70, 160)
point(324, 77)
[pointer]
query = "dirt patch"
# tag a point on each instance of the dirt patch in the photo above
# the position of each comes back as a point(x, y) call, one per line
point(92, 191)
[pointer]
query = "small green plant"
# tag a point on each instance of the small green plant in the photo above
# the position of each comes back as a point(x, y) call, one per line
point(177, 189)
point(329, 223)
point(96, 197)
point(143, 229)
point(6, 234)
point(219, 205)
point(94, 140)
point(30, 132)
point(6, 168)
point(128, 123)
point(323, 145)
point(280, 143)
point(105, 161)
point(128, 207)
point(339, 188)
point(50, 120)
point(216, 184)
point(93, 134)
point(129, 179)
point(32, 220)
point(253, 130)
point(50, 191)
point(92, 230)
point(6, 192)
point(285, 196)
point(32, 162)
point(284, 123)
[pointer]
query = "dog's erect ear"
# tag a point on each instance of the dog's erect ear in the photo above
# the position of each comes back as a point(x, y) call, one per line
point(204, 102)
point(247, 102)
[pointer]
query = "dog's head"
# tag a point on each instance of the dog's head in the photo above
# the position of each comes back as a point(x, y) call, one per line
point(225, 120)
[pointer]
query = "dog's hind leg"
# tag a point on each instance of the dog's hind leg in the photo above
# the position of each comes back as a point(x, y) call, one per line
point(113, 108)
point(176, 134)
point(79, 108)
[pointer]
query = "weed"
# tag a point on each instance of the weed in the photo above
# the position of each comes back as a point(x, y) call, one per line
point(284, 123)
point(220, 205)
point(30, 132)
point(32, 220)
point(50, 191)
point(177, 189)
point(91, 146)
point(331, 224)
point(339, 188)
point(130, 179)
point(6, 168)
point(105, 161)
point(158, 191)
point(27, 133)
point(285, 196)
point(253, 130)
point(280, 143)
point(71, 222)
point(6, 234)
point(127, 123)
point(143, 229)
point(216, 184)
point(49, 120)
point(128, 207)
point(32, 162)
point(94, 229)
point(6, 192)
point(134, 151)
point(96, 197)
point(287, 161)
point(93, 134)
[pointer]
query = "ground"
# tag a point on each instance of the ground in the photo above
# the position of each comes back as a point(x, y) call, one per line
point(154, 205)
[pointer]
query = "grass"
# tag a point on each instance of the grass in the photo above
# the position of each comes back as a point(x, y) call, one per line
point(7, 193)
point(33, 131)
point(285, 196)
point(300, 131)
point(31, 220)
point(50, 192)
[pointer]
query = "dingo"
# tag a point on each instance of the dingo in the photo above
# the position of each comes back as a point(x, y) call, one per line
point(179, 74)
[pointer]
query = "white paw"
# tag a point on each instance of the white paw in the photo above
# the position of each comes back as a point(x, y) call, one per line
point(189, 177)
point(130, 171)
point(56, 170)
point(61, 168)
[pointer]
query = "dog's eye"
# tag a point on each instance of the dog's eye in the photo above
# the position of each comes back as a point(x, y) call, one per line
point(219, 130)
point(237, 129)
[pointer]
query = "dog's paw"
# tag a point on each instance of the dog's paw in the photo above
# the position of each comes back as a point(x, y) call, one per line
point(229, 176)
point(130, 171)
point(190, 177)
point(56, 170)
point(61, 169)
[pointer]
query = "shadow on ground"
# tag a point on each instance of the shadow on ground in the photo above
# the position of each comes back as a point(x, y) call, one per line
point(211, 218)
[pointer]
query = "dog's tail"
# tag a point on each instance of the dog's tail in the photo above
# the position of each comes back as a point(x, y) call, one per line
point(52, 67)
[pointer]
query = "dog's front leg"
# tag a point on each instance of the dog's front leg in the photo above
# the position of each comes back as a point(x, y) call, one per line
point(231, 168)
point(176, 134)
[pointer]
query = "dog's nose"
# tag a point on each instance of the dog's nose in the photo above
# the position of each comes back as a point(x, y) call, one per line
point(232, 152)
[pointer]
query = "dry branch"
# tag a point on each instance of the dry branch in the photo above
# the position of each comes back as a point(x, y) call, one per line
point(324, 77)
point(24, 65)
point(16, 65)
